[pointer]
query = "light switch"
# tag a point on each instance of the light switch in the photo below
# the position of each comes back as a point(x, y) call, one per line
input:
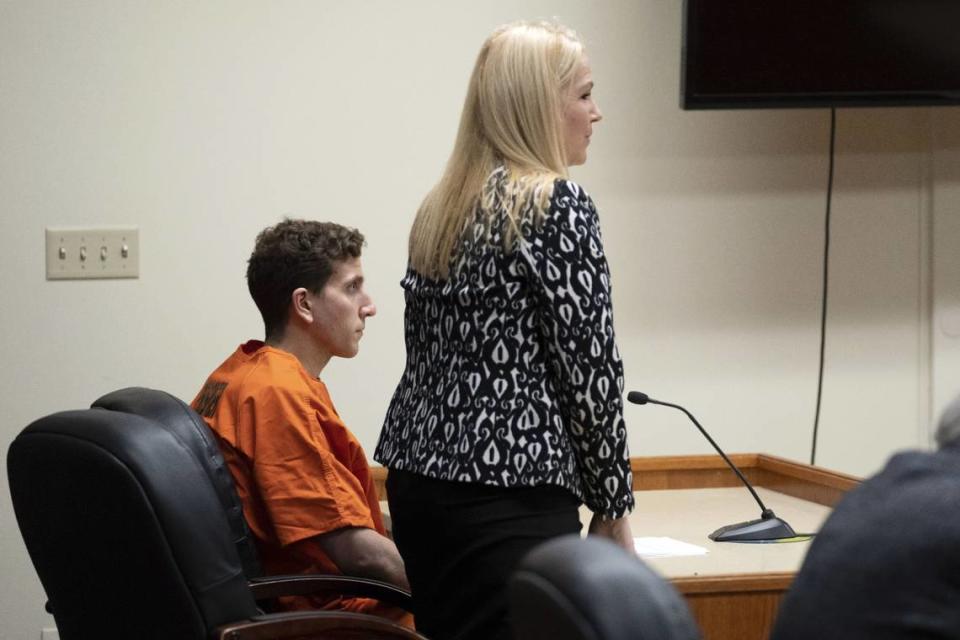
point(78, 253)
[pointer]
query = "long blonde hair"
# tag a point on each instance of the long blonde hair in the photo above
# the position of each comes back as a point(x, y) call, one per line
point(511, 116)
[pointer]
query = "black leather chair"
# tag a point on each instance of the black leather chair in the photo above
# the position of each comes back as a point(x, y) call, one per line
point(182, 421)
point(133, 525)
point(590, 589)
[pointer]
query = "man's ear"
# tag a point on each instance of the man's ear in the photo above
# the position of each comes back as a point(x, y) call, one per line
point(300, 304)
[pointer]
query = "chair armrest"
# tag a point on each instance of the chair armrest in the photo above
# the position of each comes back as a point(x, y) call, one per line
point(269, 587)
point(277, 626)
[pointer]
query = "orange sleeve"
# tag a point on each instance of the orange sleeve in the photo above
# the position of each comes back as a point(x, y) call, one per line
point(305, 489)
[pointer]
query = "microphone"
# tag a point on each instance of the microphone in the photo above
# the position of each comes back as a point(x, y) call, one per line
point(767, 527)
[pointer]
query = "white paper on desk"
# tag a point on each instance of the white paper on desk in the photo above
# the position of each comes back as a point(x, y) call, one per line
point(661, 547)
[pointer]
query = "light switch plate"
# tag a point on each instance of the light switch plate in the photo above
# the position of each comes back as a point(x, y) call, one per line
point(80, 253)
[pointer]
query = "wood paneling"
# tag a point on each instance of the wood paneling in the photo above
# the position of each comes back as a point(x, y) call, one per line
point(745, 615)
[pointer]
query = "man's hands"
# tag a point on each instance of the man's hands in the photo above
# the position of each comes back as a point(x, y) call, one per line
point(617, 530)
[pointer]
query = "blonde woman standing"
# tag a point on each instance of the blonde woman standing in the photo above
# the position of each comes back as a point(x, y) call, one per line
point(509, 413)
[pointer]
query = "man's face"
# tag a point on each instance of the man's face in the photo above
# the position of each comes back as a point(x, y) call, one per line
point(340, 310)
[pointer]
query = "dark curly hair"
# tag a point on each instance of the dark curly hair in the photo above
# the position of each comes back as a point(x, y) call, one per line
point(293, 254)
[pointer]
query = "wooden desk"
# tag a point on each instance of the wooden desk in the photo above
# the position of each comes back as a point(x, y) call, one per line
point(735, 590)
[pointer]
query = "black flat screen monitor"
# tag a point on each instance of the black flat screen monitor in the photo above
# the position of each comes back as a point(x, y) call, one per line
point(819, 53)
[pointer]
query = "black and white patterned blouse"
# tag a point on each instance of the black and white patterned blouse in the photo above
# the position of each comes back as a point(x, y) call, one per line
point(513, 377)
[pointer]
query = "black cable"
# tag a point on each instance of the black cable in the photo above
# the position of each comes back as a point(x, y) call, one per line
point(826, 272)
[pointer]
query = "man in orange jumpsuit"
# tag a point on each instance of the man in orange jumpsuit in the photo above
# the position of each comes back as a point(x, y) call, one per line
point(301, 475)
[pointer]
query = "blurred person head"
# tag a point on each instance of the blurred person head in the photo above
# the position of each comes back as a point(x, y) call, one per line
point(948, 429)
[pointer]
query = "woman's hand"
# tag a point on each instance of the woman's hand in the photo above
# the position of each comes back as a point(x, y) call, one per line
point(617, 530)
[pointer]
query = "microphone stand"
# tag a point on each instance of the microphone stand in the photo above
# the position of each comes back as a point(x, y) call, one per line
point(767, 527)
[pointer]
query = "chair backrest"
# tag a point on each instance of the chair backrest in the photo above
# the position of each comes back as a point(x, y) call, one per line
point(590, 589)
point(186, 425)
point(126, 532)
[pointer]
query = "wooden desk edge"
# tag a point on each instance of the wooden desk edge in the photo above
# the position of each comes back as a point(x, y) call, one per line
point(734, 583)
point(796, 479)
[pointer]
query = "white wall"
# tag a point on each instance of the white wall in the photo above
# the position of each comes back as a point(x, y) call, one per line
point(945, 234)
point(201, 123)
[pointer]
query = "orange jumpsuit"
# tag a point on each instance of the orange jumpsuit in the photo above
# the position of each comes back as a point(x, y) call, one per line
point(298, 470)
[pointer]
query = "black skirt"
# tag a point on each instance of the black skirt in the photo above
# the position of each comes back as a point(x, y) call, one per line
point(461, 541)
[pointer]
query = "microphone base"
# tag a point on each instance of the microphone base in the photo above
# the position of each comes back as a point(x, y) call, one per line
point(762, 529)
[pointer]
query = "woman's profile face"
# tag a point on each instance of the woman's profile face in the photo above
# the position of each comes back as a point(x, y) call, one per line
point(579, 113)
